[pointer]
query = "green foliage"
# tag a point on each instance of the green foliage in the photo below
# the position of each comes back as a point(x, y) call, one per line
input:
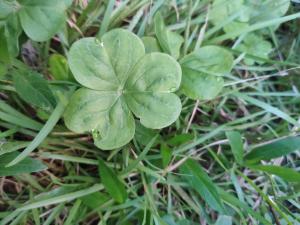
point(198, 179)
point(27, 165)
point(120, 79)
point(285, 173)
point(254, 44)
point(58, 67)
point(274, 149)
point(169, 41)
point(219, 76)
point(111, 182)
point(236, 144)
point(203, 70)
point(33, 88)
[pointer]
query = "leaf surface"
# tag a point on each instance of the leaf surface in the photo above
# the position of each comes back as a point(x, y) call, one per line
point(112, 183)
point(41, 19)
point(203, 70)
point(120, 79)
point(28, 165)
point(33, 88)
point(201, 183)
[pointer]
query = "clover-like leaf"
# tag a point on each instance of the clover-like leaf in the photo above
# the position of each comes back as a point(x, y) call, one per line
point(203, 70)
point(39, 19)
point(255, 44)
point(120, 79)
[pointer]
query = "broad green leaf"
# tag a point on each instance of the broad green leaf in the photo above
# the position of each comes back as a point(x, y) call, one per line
point(41, 19)
point(104, 114)
point(285, 173)
point(255, 45)
point(198, 179)
point(28, 165)
point(169, 41)
point(151, 44)
point(273, 149)
point(236, 144)
point(6, 8)
point(119, 78)
point(276, 8)
point(223, 10)
point(149, 88)
point(33, 88)
point(58, 67)
point(112, 183)
point(203, 70)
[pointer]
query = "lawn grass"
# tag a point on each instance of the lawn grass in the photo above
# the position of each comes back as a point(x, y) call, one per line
point(199, 170)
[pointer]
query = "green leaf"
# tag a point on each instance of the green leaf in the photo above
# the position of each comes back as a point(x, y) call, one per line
point(58, 67)
point(285, 173)
point(166, 155)
point(6, 8)
point(112, 183)
point(198, 179)
point(236, 144)
point(169, 41)
point(276, 9)
point(119, 78)
point(43, 133)
point(27, 165)
point(95, 200)
point(9, 38)
point(255, 45)
point(274, 149)
point(151, 44)
point(223, 10)
point(32, 88)
point(12, 146)
point(41, 19)
point(203, 70)
point(224, 220)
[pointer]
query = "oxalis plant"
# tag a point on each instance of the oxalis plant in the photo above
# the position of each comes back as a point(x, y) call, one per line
point(119, 82)
point(125, 77)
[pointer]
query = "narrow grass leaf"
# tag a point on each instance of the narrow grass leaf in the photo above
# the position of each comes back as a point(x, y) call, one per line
point(27, 165)
point(62, 198)
point(254, 27)
point(112, 183)
point(287, 174)
point(198, 179)
point(230, 199)
point(236, 144)
point(43, 133)
point(268, 108)
point(274, 149)
point(73, 213)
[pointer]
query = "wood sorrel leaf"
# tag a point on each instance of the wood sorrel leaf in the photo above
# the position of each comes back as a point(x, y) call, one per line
point(119, 78)
point(203, 70)
point(41, 19)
